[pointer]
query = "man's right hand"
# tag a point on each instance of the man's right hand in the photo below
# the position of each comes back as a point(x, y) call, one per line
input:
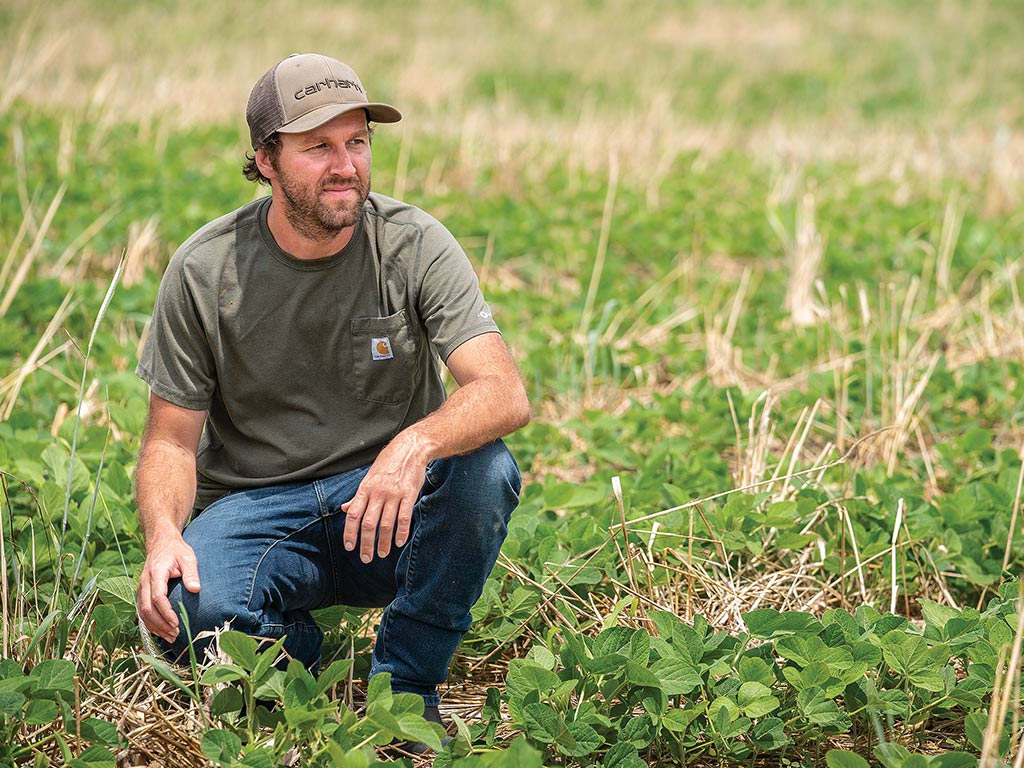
point(165, 560)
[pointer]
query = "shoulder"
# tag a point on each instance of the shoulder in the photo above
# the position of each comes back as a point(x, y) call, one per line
point(214, 241)
point(385, 213)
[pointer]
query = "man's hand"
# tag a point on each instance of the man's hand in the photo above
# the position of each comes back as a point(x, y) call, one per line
point(386, 496)
point(165, 560)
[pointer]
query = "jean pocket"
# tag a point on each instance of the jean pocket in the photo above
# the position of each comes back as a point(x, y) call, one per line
point(384, 352)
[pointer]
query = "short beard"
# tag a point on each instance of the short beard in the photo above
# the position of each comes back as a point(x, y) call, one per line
point(310, 216)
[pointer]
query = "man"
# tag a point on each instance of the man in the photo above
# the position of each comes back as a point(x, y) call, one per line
point(296, 411)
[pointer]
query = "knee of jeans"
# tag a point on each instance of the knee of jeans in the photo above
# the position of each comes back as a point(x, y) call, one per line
point(207, 610)
point(487, 480)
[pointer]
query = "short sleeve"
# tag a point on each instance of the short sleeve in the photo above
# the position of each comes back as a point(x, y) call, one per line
point(450, 302)
point(176, 359)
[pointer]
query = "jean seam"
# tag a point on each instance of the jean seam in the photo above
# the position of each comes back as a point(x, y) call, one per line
point(259, 562)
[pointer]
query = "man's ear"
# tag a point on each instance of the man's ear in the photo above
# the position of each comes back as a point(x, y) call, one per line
point(264, 164)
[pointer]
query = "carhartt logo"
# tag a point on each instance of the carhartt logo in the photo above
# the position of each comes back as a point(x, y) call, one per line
point(327, 83)
point(381, 349)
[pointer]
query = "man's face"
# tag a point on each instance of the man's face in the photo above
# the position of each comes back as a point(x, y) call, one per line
point(323, 176)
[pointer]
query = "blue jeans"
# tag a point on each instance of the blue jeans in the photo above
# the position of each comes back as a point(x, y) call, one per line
point(269, 556)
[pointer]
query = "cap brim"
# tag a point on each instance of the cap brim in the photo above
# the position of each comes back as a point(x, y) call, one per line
point(378, 113)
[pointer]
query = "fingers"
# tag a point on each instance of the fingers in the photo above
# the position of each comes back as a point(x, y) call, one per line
point(377, 518)
point(154, 607)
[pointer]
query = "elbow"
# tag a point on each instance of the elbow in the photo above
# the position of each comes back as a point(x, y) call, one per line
point(521, 411)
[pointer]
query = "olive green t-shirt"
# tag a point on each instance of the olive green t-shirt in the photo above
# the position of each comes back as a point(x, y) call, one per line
point(307, 368)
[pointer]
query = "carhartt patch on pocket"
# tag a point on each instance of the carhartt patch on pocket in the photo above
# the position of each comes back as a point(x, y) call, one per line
point(380, 348)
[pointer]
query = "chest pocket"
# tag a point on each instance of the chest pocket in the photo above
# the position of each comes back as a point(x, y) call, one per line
point(384, 356)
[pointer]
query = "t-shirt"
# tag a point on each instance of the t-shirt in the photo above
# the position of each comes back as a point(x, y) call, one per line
point(307, 368)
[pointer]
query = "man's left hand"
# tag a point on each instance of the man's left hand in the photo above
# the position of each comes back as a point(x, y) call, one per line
point(385, 498)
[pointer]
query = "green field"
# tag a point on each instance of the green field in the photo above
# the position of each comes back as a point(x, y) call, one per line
point(760, 264)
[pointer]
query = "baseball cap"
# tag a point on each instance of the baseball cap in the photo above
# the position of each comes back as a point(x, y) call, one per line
point(305, 91)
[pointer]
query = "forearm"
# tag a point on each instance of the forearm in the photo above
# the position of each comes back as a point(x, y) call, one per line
point(476, 414)
point(165, 489)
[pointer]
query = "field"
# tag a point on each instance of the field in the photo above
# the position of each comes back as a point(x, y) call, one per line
point(760, 264)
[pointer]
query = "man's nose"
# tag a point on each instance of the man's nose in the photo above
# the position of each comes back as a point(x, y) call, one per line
point(341, 163)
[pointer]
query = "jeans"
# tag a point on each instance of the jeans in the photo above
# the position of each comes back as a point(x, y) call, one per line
point(269, 556)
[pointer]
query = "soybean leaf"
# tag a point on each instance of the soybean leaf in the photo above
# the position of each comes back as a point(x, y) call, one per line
point(623, 755)
point(769, 734)
point(756, 700)
point(586, 740)
point(221, 747)
point(240, 647)
point(676, 676)
point(766, 623)
point(53, 675)
point(678, 720)
point(414, 727)
point(261, 757)
point(225, 701)
point(40, 711)
point(334, 674)
point(100, 731)
point(222, 673)
point(639, 675)
point(94, 757)
point(542, 723)
point(11, 703)
point(840, 758)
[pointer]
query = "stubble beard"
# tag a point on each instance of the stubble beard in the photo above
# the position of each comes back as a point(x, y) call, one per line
point(311, 215)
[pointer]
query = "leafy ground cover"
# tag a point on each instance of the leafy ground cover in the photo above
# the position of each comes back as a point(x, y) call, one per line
point(768, 311)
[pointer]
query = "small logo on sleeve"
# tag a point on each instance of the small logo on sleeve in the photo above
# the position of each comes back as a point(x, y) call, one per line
point(381, 348)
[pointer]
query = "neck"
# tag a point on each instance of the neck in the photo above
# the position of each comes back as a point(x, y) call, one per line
point(296, 244)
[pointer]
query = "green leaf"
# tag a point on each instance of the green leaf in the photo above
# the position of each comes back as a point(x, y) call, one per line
point(766, 623)
point(676, 676)
point(586, 740)
point(56, 675)
point(541, 656)
point(821, 710)
point(94, 757)
point(840, 758)
point(221, 747)
point(415, 728)
point(769, 734)
point(334, 674)
point(608, 664)
point(378, 715)
point(623, 755)
point(380, 689)
point(226, 701)
point(756, 700)
point(117, 589)
point(638, 675)
point(678, 720)
point(11, 703)
point(222, 673)
point(100, 732)
point(954, 760)
point(300, 690)
point(542, 723)
point(974, 727)
point(935, 614)
point(240, 647)
point(261, 757)
point(40, 711)
point(525, 676)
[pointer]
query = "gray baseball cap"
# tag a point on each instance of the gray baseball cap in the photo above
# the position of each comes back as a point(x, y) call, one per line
point(305, 91)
